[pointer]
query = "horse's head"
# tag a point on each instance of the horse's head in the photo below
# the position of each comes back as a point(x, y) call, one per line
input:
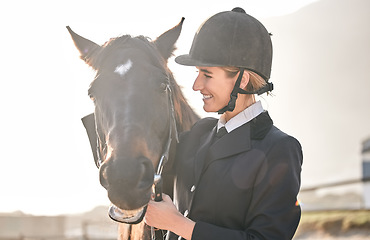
point(132, 111)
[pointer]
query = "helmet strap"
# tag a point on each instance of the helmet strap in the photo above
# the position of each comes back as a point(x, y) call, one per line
point(234, 94)
point(268, 87)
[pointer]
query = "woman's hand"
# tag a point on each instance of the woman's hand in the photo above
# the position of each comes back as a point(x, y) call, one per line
point(164, 215)
point(161, 214)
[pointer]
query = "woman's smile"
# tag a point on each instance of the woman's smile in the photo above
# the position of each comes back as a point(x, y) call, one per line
point(207, 96)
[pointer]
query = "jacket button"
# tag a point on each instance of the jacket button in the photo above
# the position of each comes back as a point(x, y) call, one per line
point(186, 213)
point(192, 189)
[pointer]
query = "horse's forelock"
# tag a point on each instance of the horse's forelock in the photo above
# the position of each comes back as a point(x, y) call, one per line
point(126, 41)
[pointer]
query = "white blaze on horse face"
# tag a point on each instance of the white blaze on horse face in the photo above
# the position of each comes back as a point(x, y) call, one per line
point(123, 68)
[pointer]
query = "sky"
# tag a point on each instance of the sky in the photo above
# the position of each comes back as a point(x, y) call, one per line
point(46, 163)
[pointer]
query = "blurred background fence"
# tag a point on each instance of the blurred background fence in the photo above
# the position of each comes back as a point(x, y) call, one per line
point(342, 195)
point(94, 225)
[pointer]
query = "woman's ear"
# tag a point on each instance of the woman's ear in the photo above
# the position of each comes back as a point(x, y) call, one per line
point(245, 80)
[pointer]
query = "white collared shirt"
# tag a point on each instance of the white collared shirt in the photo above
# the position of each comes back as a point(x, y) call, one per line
point(241, 118)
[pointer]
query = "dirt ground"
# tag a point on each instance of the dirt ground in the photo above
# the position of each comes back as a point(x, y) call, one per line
point(338, 225)
point(350, 235)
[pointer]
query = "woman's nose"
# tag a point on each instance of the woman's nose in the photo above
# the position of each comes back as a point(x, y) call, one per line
point(198, 84)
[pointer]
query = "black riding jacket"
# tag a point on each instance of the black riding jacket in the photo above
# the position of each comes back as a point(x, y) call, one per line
point(242, 186)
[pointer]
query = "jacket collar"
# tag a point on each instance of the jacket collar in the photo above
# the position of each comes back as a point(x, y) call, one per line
point(235, 142)
point(239, 140)
point(260, 126)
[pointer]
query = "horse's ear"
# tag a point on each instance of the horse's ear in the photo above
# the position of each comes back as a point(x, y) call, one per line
point(166, 42)
point(86, 47)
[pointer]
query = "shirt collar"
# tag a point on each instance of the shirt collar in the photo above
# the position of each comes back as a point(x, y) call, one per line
point(241, 118)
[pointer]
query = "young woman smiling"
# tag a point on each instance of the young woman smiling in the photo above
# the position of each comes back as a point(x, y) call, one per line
point(236, 177)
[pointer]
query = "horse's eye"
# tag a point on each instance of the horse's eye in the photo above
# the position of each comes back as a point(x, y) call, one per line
point(163, 86)
point(92, 97)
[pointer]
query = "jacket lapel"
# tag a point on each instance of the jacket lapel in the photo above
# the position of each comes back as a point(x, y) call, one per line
point(232, 143)
point(202, 153)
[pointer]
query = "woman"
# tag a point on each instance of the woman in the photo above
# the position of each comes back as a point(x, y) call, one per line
point(242, 183)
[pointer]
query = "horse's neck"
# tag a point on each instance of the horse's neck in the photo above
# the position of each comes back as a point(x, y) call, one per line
point(190, 117)
point(124, 231)
point(185, 115)
point(133, 232)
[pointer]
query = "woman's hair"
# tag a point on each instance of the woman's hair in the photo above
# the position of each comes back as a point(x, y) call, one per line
point(255, 81)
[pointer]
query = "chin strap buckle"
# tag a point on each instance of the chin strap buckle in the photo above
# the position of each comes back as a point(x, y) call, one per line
point(266, 88)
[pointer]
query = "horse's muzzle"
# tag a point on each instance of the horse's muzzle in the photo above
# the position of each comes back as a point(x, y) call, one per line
point(128, 182)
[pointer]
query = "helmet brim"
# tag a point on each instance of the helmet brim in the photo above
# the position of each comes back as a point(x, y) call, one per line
point(187, 60)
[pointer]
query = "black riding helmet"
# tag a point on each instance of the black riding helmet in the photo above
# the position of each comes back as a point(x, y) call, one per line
point(232, 38)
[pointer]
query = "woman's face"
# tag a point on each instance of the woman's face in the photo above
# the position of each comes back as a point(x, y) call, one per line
point(215, 87)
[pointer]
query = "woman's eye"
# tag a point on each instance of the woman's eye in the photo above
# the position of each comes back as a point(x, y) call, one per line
point(204, 74)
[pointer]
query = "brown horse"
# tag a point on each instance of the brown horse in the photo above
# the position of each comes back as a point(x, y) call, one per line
point(139, 108)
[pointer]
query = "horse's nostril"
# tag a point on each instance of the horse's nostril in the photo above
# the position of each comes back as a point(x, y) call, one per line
point(103, 176)
point(147, 174)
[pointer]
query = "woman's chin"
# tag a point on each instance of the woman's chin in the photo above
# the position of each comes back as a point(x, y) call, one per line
point(210, 109)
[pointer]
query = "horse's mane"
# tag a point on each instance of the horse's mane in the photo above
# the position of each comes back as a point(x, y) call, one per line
point(185, 117)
